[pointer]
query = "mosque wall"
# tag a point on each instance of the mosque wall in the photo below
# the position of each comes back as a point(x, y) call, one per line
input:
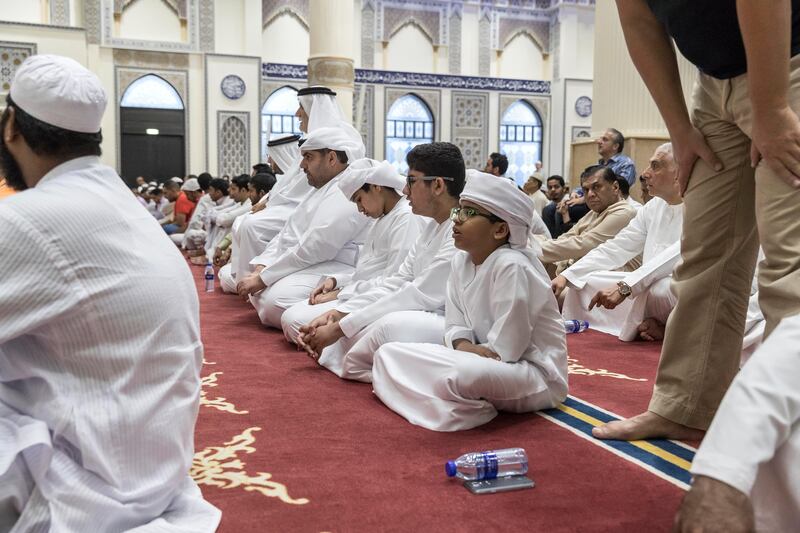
point(621, 98)
point(32, 11)
point(487, 47)
point(150, 20)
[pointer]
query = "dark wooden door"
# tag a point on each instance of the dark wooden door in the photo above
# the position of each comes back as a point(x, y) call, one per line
point(156, 157)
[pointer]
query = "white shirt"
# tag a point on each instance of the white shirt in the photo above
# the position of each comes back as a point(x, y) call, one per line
point(419, 285)
point(100, 353)
point(386, 247)
point(507, 305)
point(753, 443)
point(326, 226)
point(654, 233)
point(226, 217)
point(203, 204)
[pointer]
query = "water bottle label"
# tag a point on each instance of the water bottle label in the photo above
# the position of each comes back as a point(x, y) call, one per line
point(209, 276)
point(490, 465)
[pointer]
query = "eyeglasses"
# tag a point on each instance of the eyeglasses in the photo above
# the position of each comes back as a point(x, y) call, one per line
point(462, 214)
point(411, 179)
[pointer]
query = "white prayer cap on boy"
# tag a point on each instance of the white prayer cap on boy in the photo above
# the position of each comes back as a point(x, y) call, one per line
point(501, 197)
point(191, 185)
point(61, 92)
point(383, 174)
point(176, 179)
point(477, 174)
point(333, 138)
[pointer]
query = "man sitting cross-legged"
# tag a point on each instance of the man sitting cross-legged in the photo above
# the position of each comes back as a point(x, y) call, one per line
point(609, 214)
point(504, 338)
point(409, 305)
point(251, 234)
point(321, 237)
point(375, 191)
point(636, 303)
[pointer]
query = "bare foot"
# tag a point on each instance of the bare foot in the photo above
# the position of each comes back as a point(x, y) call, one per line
point(651, 330)
point(647, 425)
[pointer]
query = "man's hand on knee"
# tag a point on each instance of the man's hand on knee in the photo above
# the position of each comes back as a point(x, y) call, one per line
point(714, 506)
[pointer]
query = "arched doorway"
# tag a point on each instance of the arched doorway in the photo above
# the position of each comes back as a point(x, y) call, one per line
point(152, 130)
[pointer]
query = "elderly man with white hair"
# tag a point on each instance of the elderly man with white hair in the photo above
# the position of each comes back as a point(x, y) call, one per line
point(100, 350)
point(320, 238)
point(504, 344)
point(377, 191)
point(636, 303)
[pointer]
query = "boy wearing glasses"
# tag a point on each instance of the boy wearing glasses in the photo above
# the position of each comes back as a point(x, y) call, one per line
point(504, 344)
point(408, 306)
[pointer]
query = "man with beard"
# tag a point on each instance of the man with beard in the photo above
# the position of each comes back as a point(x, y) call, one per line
point(100, 350)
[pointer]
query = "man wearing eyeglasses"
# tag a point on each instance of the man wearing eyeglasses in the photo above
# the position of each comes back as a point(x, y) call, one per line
point(609, 214)
point(408, 306)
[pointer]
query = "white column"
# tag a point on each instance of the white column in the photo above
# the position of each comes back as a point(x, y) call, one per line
point(330, 60)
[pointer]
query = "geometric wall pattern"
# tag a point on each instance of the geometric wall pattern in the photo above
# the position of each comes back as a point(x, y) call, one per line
point(11, 57)
point(233, 141)
point(469, 126)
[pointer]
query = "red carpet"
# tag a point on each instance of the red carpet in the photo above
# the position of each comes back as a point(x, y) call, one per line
point(330, 457)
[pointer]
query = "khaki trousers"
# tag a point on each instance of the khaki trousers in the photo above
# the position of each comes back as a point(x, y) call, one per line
point(724, 215)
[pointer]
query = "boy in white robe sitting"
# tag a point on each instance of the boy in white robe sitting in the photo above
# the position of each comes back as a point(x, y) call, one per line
point(321, 237)
point(505, 347)
point(377, 192)
point(408, 306)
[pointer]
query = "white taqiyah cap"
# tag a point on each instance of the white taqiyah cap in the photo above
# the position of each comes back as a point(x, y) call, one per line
point(191, 185)
point(61, 92)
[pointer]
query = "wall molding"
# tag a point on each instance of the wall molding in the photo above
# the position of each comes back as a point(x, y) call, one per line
point(415, 79)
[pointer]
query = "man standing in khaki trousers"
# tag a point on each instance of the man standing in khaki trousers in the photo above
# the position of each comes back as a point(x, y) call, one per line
point(739, 169)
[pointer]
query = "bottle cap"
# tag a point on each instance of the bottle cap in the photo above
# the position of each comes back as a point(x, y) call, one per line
point(450, 468)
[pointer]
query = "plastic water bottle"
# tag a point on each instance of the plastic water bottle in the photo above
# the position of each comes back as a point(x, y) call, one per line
point(575, 326)
point(489, 465)
point(209, 275)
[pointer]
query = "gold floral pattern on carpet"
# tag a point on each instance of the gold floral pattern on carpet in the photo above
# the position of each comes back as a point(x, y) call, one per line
point(220, 466)
point(217, 403)
point(574, 367)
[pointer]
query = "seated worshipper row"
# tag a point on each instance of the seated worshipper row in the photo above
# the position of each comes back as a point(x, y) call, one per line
point(251, 233)
point(100, 350)
point(533, 188)
point(409, 305)
point(218, 195)
point(562, 212)
point(609, 214)
point(504, 344)
point(184, 198)
point(229, 201)
point(317, 108)
point(315, 241)
point(504, 341)
point(636, 303)
point(258, 187)
point(377, 192)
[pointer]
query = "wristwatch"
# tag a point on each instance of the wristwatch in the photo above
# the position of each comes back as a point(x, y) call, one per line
point(623, 288)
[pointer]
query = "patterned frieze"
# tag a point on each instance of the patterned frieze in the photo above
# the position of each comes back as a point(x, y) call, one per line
point(469, 119)
point(416, 79)
point(270, 9)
